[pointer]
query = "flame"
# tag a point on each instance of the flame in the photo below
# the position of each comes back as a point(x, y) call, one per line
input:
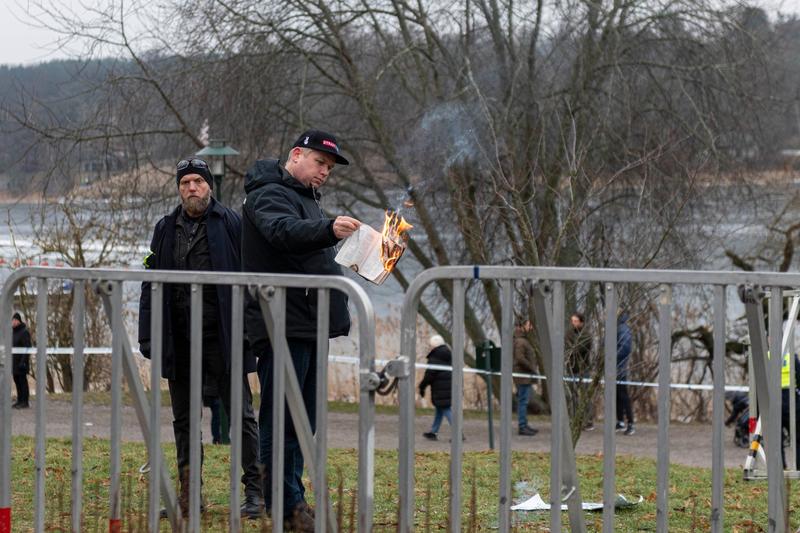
point(395, 236)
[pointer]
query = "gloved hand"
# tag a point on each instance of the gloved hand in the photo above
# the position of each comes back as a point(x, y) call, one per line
point(144, 347)
point(421, 392)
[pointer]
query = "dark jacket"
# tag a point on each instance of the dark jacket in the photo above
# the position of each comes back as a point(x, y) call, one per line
point(440, 381)
point(285, 231)
point(223, 228)
point(22, 339)
point(523, 359)
point(624, 346)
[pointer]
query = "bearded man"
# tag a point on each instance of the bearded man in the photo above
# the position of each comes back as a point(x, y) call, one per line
point(200, 234)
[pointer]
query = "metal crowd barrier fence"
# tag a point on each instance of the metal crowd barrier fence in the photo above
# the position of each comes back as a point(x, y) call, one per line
point(270, 289)
point(548, 303)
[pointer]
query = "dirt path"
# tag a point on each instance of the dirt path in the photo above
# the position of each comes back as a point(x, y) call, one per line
point(689, 444)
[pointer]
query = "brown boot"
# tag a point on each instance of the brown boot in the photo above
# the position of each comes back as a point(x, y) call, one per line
point(183, 493)
point(299, 519)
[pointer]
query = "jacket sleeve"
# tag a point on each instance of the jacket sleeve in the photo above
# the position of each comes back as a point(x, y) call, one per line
point(144, 302)
point(276, 215)
point(427, 379)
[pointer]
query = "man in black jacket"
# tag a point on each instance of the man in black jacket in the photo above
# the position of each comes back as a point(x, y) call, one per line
point(284, 230)
point(200, 234)
point(21, 361)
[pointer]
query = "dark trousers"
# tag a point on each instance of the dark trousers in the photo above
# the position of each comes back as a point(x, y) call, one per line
point(214, 404)
point(785, 424)
point(21, 381)
point(215, 375)
point(304, 358)
point(624, 407)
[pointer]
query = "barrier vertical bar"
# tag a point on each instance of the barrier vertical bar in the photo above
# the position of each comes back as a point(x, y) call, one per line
point(195, 405)
point(7, 298)
point(457, 403)
point(154, 442)
point(546, 332)
point(773, 429)
point(506, 368)
point(117, 332)
point(788, 347)
point(321, 441)
point(610, 410)
point(556, 412)
point(41, 402)
point(366, 423)
point(717, 445)
point(238, 379)
point(664, 366)
point(406, 397)
point(751, 395)
point(280, 356)
point(78, 339)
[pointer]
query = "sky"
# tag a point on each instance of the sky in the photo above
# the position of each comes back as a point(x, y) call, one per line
point(23, 43)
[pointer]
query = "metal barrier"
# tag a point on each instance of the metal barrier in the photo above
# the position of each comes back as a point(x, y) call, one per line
point(548, 303)
point(271, 291)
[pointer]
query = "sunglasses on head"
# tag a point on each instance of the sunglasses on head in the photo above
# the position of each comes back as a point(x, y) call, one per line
point(197, 163)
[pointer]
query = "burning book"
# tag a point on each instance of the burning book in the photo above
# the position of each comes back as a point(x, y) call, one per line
point(373, 255)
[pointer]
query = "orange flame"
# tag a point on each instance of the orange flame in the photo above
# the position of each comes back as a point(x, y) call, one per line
point(395, 236)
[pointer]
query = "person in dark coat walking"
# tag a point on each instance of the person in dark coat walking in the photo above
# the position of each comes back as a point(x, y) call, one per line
point(21, 362)
point(200, 234)
point(284, 230)
point(624, 348)
point(440, 382)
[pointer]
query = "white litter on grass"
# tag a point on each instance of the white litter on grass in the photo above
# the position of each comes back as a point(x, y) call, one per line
point(536, 503)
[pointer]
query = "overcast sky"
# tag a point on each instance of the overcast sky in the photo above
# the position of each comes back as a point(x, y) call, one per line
point(21, 43)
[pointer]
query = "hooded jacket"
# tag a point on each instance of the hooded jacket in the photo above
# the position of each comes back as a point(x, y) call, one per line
point(223, 229)
point(285, 231)
point(440, 381)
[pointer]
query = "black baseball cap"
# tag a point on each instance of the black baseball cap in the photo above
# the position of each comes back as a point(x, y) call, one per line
point(321, 141)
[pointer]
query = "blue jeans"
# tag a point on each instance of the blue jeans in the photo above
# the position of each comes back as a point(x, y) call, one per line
point(304, 358)
point(523, 395)
point(441, 412)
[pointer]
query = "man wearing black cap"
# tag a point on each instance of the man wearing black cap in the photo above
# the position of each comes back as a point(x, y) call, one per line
point(284, 230)
point(200, 234)
point(21, 361)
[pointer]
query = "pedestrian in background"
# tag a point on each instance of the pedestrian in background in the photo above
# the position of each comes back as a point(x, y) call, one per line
point(523, 364)
point(21, 362)
point(440, 382)
point(624, 348)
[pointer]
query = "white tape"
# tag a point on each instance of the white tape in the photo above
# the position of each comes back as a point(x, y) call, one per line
point(347, 359)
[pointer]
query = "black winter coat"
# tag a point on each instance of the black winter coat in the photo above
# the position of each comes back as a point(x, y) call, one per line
point(285, 231)
point(224, 229)
point(22, 339)
point(440, 381)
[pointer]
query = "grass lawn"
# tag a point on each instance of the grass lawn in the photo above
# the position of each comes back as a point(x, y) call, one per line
point(690, 490)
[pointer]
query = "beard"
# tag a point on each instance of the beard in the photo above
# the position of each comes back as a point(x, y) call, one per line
point(194, 206)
